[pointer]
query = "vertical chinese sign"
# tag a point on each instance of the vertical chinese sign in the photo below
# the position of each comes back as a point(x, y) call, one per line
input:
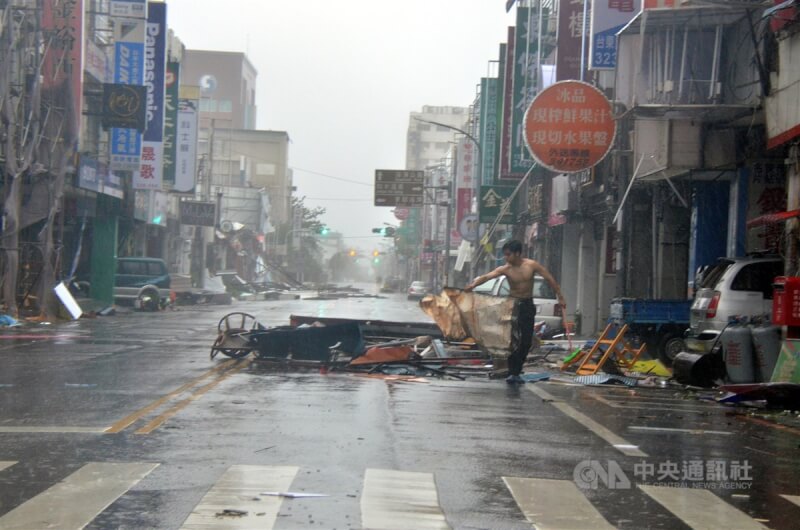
point(186, 140)
point(571, 28)
point(498, 140)
point(466, 158)
point(488, 133)
point(126, 144)
point(508, 107)
point(170, 122)
point(150, 174)
point(526, 80)
point(62, 69)
point(608, 18)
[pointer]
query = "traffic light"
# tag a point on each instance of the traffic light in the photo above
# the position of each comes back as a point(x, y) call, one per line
point(375, 253)
point(386, 231)
point(323, 230)
point(352, 253)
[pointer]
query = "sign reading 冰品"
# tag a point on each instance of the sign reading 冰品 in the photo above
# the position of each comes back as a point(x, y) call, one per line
point(570, 127)
point(399, 187)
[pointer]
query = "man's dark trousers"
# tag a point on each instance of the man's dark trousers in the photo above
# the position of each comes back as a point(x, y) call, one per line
point(523, 318)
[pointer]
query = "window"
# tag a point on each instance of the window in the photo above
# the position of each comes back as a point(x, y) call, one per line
point(208, 105)
point(225, 105)
point(611, 250)
point(758, 277)
point(542, 289)
point(440, 128)
point(135, 268)
point(155, 268)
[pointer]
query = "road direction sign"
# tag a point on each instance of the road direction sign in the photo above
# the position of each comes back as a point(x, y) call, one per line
point(399, 187)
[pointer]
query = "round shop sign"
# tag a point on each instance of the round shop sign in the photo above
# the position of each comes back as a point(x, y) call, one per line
point(570, 127)
point(401, 213)
point(469, 228)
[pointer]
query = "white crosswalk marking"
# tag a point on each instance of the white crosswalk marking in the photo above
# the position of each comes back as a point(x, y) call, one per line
point(700, 509)
point(399, 500)
point(792, 498)
point(74, 502)
point(235, 490)
point(5, 464)
point(555, 504)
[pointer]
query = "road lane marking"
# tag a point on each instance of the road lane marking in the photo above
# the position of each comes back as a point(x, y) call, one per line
point(74, 502)
point(127, 421)
point(159, 420)
point(51, 429)
point(5, 464)
point(398, 500)
point(700, 509)
point(795, 499)
point(555, 504)
point(617, 442)
point(236, 489)
point(688, 408)
point(672, 429)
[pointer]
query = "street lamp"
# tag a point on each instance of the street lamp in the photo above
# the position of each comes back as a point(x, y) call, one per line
point(478, 178)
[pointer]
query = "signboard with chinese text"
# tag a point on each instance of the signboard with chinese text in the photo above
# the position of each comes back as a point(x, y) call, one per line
point(170, 122)
point(488, 123)
point(151, 173)
point(186, 146)
point(570, 127)
point(128, 8)
point(126, 144)
point(504, 152)
point(608, 17)
point(766, 189)
point(399, 187)
point(571, 29)
point(498, 140)
point(62, 68)
point(198, 213)
point(492, 200)
point(526, 80)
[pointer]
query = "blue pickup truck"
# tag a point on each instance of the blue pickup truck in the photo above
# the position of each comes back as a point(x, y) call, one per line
point(660, 323)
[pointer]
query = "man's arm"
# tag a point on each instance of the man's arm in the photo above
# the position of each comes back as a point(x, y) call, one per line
point(544, 273)
point(499, 271)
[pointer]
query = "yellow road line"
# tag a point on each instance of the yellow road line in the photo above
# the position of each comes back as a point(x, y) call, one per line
point(158, 421)
point(127, 421)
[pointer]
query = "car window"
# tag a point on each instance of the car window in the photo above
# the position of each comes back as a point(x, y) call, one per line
point(709, 277)
point(136, 268)
point(542, 289)
point(155, 268)
point(504, 288)
point(757, 277)
point(486, 287)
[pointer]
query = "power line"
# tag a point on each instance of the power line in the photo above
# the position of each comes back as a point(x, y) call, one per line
point(333, 177)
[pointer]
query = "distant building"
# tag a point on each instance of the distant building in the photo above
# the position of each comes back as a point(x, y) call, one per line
point(228, 84)
point(427, 144)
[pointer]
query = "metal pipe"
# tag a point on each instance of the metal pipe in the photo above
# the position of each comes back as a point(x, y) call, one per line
point(683, 62)
point(583, 39)
point(715, 64)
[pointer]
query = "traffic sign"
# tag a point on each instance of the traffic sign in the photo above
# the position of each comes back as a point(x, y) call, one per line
point(399, 187)
point(401, 213)
point(470, 229)
point(570, 127)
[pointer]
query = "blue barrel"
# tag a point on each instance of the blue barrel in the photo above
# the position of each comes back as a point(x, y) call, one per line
point(767, 347)
point(737, 351)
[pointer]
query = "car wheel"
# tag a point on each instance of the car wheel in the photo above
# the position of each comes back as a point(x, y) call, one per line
point(670, 346)
point(148, 300)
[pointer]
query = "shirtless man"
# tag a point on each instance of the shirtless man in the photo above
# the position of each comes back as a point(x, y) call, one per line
point(520, 272)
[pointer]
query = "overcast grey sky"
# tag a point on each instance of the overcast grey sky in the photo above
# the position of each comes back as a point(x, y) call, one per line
point(342, 76)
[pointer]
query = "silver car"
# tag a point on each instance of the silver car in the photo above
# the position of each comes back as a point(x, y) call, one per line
point(734, 287)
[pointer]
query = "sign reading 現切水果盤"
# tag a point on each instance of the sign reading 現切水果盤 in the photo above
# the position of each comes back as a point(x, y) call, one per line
point(570, 127)
point(607, 19)
point(151, 172)
point(395, 187)
point(491, 201)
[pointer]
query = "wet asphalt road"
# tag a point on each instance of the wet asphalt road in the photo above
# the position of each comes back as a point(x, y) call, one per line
point(147, 379)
